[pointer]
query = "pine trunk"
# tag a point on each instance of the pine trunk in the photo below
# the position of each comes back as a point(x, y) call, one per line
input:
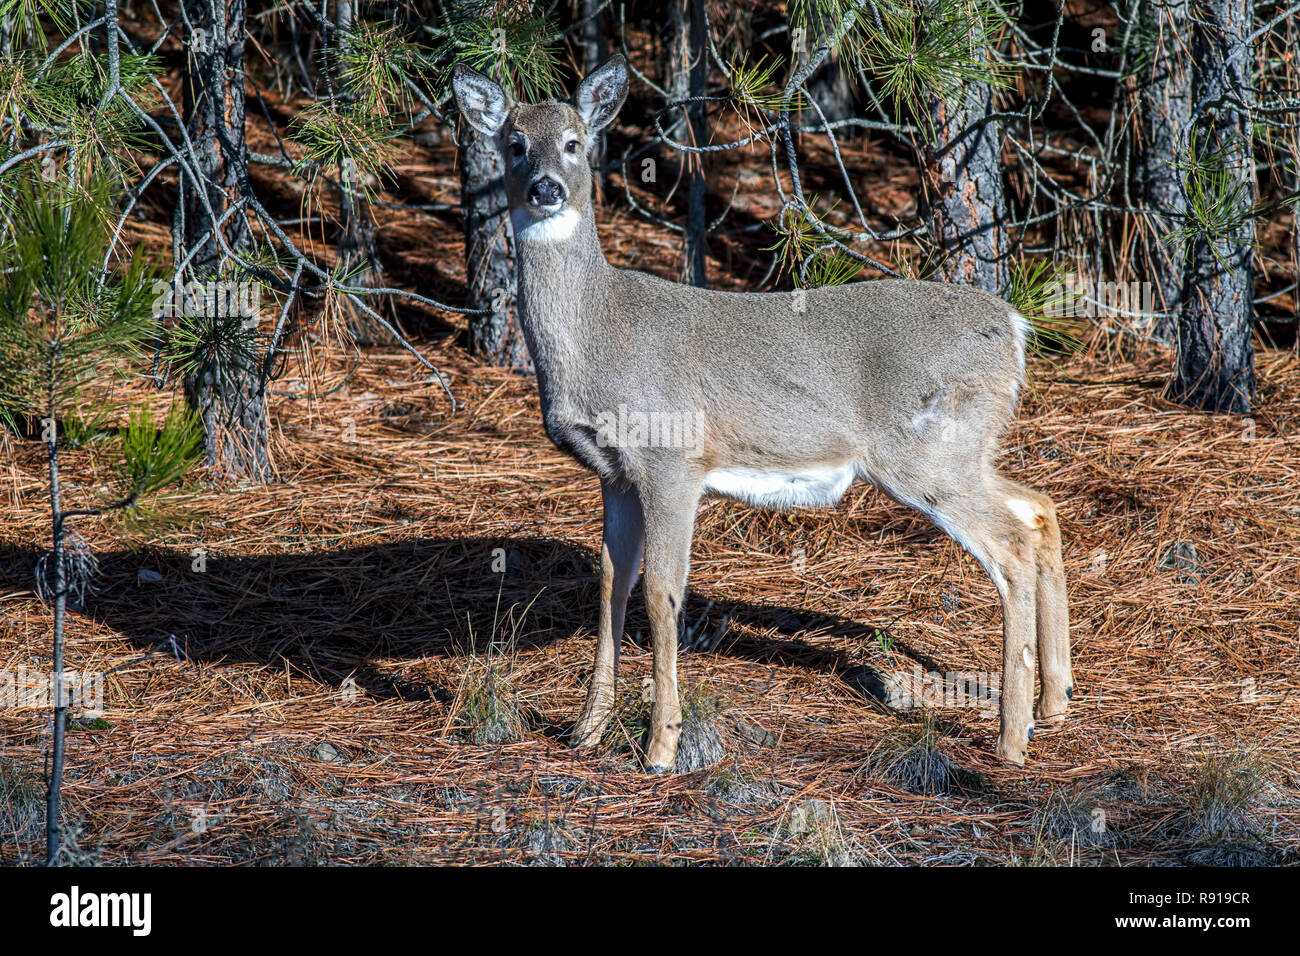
point(489, 265)
point(962, 189)
point(1165, 91)
point(358, 260)
point(594, 52)
point(685, 73)
point(1216, 359)
point(229, 394)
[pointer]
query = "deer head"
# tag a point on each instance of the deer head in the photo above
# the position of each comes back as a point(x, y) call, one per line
point(545, 147)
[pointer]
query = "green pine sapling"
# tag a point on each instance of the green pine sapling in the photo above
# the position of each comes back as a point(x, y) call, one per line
point(66, 328)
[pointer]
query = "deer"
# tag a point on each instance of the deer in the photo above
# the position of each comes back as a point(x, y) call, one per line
point(790, 397)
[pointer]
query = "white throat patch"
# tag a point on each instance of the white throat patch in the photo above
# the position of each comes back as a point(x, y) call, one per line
point(556, 228)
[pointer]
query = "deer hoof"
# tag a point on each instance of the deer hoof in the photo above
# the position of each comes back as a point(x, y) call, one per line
point(1049, 717)
point(1012, 755)
point(586, 734)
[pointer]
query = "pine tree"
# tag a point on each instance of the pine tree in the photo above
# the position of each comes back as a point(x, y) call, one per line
point(358, 51)
point(595, 50)
point(962, 189)
point(212, 233)
point(1164, 91)
point(685, 69)
point(65, 326)
point(514, 45)
point(1216, 358)
point(935, 63)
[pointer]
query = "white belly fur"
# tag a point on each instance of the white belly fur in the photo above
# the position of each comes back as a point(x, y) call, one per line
point(810, 488)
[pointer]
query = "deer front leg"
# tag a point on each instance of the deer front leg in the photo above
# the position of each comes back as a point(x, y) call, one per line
point(670, 521)
point(620, 560)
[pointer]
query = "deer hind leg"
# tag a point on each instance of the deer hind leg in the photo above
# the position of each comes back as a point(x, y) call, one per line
point(1010, 555)
point(1053, 616)
point(1011, 530)
point(1025, 541)
point(620, 560)
point(670, 520)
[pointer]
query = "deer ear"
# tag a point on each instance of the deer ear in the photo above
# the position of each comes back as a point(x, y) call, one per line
point(481, 100)
point(601, 94)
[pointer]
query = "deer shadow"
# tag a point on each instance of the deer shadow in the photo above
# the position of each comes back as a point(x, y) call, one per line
point(335, 615)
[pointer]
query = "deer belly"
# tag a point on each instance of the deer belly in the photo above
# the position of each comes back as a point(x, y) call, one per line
point(780, 488)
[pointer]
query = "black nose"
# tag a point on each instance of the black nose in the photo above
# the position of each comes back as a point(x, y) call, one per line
point(545, 192)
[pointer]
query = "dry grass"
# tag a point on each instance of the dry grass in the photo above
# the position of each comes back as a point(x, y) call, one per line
point(914, 758)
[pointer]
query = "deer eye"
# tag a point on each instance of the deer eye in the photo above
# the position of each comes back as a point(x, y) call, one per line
point(571, 146)
point(516, 149)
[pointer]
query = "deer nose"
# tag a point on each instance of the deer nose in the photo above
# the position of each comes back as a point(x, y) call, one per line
point(545, 192)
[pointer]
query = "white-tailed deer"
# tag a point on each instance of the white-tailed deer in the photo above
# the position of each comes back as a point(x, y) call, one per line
point(670, 392)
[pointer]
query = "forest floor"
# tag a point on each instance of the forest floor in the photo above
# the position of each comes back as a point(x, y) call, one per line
point(304, 672)
point(311, 691)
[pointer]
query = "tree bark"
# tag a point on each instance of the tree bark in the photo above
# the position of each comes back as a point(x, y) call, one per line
point(227, 390)
point(962, 194)
point(1164, 94)
point(962, 190)
point(685, 73)
point(1216, 358)
point(489, 262)
point(356, 249)
point(594, 52)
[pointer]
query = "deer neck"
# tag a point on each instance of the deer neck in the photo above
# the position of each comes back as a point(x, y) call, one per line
point(561, 275)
